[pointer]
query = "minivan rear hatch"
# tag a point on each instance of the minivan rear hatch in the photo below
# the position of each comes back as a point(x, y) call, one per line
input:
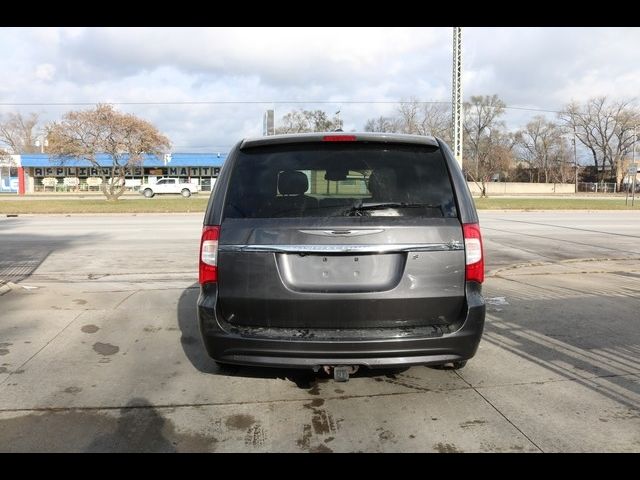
point(340, 235)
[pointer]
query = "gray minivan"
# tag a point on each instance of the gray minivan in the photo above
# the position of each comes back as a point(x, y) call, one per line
point(336, 250)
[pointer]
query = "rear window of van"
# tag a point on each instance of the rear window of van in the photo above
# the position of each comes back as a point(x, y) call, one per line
point(332, 180)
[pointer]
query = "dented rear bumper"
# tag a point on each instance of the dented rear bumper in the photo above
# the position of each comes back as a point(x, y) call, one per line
point(309, 348)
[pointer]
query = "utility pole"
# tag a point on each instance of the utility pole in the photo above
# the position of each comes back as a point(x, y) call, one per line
point(456, 101)
point(575, 157)
point(635, 167)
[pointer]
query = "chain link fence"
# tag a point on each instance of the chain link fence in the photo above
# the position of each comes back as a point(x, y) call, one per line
point(598, 187)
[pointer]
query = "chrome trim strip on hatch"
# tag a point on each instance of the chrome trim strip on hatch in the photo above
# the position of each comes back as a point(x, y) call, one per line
point(342, 233)
point(344, 248)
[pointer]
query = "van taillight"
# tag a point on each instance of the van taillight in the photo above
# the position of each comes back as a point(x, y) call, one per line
point(339, 138)
point(209, 255)
point(474, 257)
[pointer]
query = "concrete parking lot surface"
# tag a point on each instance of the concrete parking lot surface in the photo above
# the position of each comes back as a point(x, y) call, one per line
point(99, 349)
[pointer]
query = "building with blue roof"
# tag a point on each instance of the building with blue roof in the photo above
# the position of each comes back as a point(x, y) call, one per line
point(41, 172)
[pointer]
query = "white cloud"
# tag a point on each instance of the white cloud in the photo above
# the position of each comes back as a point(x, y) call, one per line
point(534, 67)
point(45, 72)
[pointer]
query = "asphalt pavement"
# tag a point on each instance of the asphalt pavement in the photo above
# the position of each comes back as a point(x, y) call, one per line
point(99, 349)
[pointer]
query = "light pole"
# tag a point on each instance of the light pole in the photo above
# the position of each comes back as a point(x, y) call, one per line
point(42, 142)
point(338, 121)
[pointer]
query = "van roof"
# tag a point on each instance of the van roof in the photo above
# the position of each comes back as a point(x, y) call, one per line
point(377, 137)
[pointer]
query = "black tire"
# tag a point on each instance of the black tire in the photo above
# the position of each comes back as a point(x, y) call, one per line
point(186, 193)
point(450, 366)
point(459, 365)
point(148, 193)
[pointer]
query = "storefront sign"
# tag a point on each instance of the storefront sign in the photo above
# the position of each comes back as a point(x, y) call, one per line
point(194, 171)
point(79, 171)
point(84, 172)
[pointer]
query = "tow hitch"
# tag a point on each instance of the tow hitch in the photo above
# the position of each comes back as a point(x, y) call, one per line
point(341, 372)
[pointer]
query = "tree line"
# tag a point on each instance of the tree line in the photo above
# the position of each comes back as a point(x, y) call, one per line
point(542, 151)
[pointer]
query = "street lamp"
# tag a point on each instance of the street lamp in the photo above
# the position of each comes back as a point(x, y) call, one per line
point(42, 142)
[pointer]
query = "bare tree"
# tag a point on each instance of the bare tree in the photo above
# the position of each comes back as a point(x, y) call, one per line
point(122, 136)
point(409, 117)
point(415, 118)
point(606, 129)
point(425, 118)
point(542, 147)
point(303, 121)
point(381, 124)
point(563, 167)
point(436, 121)
point(17, 133)
point(487, 145)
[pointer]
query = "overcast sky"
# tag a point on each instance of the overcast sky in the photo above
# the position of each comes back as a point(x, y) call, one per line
point(541, 68)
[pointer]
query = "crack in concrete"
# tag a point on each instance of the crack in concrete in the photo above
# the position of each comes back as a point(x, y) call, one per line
point(500, 413)
point(43, 347)
point(125, 299)
point(168, 406)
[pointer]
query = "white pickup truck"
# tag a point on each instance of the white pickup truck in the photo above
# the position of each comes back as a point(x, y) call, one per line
point(169, 185)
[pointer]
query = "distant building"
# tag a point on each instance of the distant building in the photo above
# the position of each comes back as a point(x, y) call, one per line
point(9, 173)
point(39, 172)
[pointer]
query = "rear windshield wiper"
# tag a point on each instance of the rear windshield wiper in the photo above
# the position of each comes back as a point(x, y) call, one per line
point(363, 207)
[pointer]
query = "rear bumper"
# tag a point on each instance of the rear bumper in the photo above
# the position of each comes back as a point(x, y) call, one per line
point(276, 348)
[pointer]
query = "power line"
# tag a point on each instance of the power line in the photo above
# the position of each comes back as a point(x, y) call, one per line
point(253, 102)
point(533, 109)
point(212, 102)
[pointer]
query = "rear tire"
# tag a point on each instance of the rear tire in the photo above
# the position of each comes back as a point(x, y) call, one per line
point(451, 365)
point(186, 193)
point(148, 193)
point(459, 365)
